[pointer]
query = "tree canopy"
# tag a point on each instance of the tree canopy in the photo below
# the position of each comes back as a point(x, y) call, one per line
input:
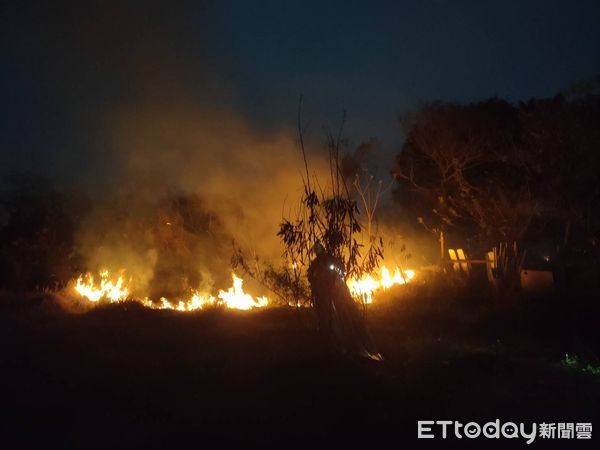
point(494, 171)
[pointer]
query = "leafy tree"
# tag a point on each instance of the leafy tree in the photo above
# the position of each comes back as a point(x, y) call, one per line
point(495, 171)
point(461, 168)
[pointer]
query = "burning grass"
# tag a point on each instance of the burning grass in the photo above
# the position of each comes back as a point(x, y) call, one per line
point(115, 289)
point(367, 286)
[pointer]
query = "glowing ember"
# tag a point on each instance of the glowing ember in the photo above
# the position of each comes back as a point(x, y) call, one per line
point(365, 287)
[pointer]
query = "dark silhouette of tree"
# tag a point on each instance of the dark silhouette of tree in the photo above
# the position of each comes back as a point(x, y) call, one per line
point(36, 235)
point(494, 171)
point(461, 168)
point(562, 141)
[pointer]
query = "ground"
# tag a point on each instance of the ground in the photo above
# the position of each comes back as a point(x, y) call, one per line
point(121, 376)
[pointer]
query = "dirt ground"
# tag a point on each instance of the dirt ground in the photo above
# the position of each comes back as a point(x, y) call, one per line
point(122, 376)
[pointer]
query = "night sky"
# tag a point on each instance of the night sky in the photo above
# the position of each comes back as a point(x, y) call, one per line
point(66, 66)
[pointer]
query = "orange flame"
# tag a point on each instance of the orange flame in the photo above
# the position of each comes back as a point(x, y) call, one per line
point(365, 287)
point(116, 291)
point(236, 298)
point(113, 291)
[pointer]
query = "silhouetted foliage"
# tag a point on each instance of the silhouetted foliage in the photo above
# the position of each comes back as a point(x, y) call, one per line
point(561, 140)
point(492, 171)
point(329, 215)
point(36, 235)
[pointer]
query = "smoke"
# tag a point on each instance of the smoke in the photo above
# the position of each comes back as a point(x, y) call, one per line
point(179, 172)
point(192, 180)
point(243, 175)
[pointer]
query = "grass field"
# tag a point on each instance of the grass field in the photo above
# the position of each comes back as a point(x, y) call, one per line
point(121, 376)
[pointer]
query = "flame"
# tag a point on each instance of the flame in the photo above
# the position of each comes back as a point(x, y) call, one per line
point(107, 289)
point(116, 291)
point(236, 298)
point(365, 287)
point(195, 302)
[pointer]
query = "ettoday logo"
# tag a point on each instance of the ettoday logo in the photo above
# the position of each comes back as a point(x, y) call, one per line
point(431, 429)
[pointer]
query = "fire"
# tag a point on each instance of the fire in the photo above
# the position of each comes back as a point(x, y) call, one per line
point(116, 291)
point(365, 287)
point(399, 277)
point(107, 289)
point(236, 298)
point(195, 302)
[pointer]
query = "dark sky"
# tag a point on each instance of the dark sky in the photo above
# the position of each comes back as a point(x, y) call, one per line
point(66, 64)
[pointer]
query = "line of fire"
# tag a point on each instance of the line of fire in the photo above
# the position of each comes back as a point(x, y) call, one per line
point(234, 224)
